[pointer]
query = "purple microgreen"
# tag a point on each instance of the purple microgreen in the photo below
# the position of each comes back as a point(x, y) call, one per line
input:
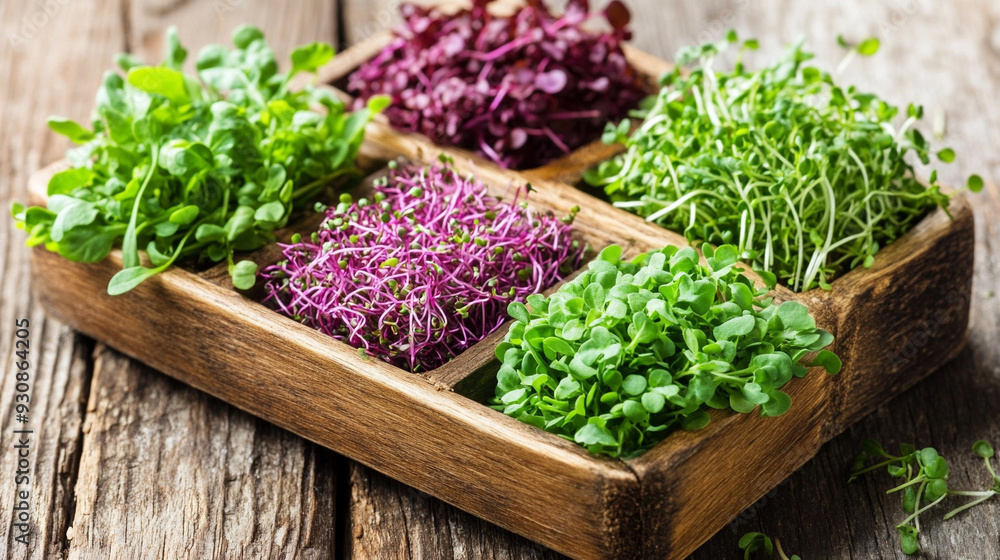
point(520, 90)
point(423, 271)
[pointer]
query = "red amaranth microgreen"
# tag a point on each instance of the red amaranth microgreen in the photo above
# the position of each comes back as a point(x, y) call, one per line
point(520, 90)
point(425, 269)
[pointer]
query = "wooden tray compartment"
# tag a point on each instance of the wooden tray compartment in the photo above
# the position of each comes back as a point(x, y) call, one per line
point(894, 323)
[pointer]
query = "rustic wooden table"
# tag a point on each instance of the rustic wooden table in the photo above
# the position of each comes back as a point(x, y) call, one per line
point(127, 463)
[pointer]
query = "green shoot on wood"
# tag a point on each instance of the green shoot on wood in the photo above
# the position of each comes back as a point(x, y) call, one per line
point(752, 542)
point(925, 486)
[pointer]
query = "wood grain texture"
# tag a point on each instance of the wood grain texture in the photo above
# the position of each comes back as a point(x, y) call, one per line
point(285, 25)
point(944, 54)
point(362, 20)
point(60, 369)
point(909, 313)
point(924, 45)
point(683, 504)
point(877, 314)
point(390, 521)
point(169, 472)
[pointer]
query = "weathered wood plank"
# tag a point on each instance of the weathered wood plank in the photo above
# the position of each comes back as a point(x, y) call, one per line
point(364, 19)
point(391, 420)
point(59, 358)
point(285, 25)
point(874, 313)
point(381, 510)
point(169, 472)
point(599, 501)
point(391, 521)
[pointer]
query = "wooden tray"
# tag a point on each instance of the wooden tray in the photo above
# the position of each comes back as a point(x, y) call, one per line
point(894, 323)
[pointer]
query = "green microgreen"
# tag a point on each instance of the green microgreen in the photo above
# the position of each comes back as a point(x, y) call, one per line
point(196, 166)
point(752, 542)
point(629, 351)
point(925, 474)
point(807, 177)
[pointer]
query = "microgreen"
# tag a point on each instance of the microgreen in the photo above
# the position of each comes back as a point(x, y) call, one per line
point(752, 542)
point(925, 485)
point(424, 270)
point(807, 177)
point(195, 166)
point(520, 90)
point(630, 350)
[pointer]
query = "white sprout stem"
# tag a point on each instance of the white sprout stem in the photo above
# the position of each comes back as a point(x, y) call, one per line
point(743, 231)
point(972, 504)
point(716, 95)
point(864, 175)
point(906, 126)
point(799, 240)
point(678, 203)
point(769, 245)
point(819, 258)
point(843, 65)
point(916, 515)
point(745, 238)
point(673, 175)
point(968, 493)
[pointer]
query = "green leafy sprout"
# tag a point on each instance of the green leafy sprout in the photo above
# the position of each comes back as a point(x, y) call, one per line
point(752, 542)
point(926, 482)
point(629, 351)
point(196, 166)
point(808, 178)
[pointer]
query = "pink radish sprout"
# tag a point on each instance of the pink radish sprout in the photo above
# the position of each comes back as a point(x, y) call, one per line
point(425, 270)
